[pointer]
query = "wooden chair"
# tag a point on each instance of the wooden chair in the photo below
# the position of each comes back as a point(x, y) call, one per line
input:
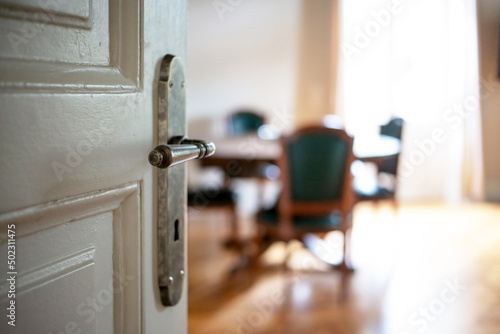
point(317, 195)
point(387, 167)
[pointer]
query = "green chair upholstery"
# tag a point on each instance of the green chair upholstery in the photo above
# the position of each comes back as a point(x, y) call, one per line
point(394, 128)
point(244, 122)
point(317, 164)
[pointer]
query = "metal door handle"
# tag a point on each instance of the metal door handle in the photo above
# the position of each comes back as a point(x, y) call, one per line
point(179, 150)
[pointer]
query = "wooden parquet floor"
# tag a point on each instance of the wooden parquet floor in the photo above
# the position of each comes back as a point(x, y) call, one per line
point(426, 268)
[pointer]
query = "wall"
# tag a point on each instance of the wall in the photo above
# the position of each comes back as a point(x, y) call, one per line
point(242, 54)
point(489, 17)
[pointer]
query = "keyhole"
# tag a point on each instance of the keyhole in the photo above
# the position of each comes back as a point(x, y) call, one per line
point(176, 232)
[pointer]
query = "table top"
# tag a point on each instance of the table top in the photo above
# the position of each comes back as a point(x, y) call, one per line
point(376, 146)
point(247, 147)
point(255, 148)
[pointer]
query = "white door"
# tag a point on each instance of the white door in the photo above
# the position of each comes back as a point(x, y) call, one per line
point(78, 109)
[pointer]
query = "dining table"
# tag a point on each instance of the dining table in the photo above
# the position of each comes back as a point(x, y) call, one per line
point(236, 154)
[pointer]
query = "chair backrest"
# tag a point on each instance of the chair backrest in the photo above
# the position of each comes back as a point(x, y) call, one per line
point(315, 167)
point(394, 128)
point(244, 122)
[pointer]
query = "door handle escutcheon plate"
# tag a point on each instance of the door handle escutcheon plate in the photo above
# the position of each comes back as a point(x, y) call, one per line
point(173, 149)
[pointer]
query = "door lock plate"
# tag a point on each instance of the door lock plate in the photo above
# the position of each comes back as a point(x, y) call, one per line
point(172, 183)
point(172, 151)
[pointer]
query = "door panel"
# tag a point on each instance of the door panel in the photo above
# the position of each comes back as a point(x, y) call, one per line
point(35, 25)
point(70, 144)
point(78, 106)
point(78, 264)
point(48, 45)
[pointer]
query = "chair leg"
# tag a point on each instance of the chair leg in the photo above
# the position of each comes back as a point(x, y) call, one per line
point(345, 268)
point(346, 264)
point(235, 231)
point(395, 204)
point(347, 248)
point(261, 189)
point(345, 280)
point(287, 256)
point(234, 240)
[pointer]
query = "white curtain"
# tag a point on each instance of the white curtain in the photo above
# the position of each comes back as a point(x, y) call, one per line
point(472, 158)
point(422, 66)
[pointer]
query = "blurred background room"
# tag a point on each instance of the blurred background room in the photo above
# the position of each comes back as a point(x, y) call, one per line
point(356, 182)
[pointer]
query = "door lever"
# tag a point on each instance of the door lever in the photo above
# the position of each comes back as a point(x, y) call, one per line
point(180, 149)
